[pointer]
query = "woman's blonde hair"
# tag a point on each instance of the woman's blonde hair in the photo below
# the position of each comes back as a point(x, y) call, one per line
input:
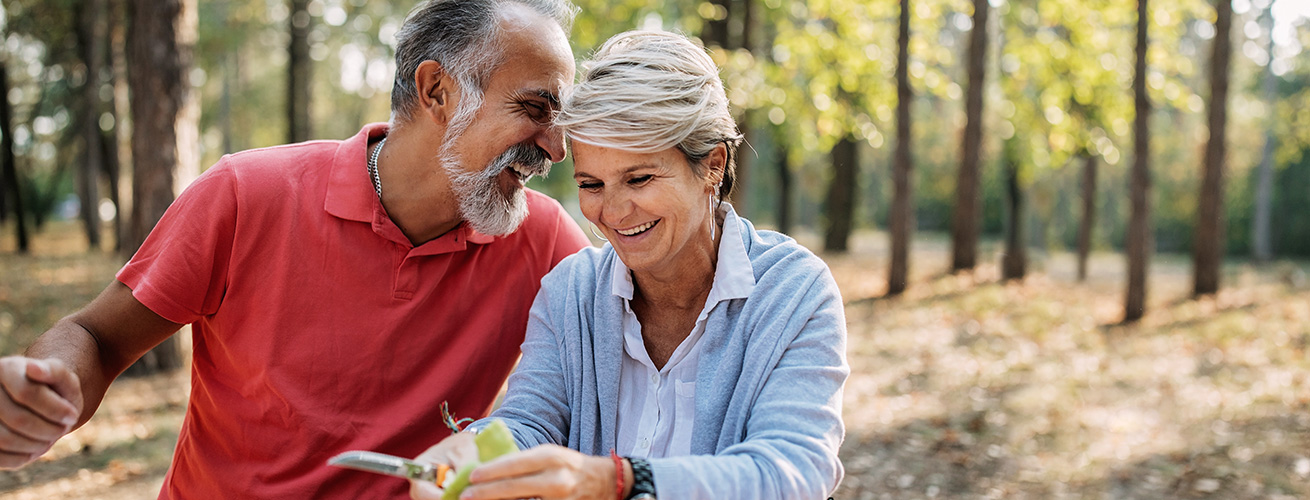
point(647, 91)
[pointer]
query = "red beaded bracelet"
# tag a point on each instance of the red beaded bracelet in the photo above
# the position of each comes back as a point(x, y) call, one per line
point(618, 475)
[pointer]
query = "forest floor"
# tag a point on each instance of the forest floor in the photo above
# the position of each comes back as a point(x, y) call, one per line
point(965, 387)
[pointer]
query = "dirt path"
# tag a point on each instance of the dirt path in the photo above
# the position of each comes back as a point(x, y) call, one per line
point(965, 388)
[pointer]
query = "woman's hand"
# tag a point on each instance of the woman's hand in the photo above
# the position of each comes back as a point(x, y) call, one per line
point(454, 451)
point(548, 472)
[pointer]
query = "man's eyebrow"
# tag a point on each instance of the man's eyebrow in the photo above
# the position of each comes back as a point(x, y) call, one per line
point(547, 95)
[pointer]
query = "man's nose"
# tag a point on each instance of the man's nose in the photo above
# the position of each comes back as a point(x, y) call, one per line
point(551, 140)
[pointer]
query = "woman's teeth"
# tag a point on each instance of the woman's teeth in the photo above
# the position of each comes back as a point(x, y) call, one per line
point(637, 230)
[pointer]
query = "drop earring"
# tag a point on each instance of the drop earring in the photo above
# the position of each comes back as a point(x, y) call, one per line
point(593, 232)
point(713, 215)
point(711, 218)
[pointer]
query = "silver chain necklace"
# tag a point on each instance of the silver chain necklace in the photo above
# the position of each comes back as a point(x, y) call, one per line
point(373, 168)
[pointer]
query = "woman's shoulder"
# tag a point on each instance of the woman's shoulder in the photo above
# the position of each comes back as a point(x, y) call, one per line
point(774, 255)
point(582, 269)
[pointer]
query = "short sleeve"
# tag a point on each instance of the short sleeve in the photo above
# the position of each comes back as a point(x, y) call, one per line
point(180, 271)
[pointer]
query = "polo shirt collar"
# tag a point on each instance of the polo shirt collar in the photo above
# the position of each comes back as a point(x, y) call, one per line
point(734, 277)
point(350, 193)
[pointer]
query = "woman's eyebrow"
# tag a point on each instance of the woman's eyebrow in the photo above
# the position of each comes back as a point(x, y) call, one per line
point(627, 170)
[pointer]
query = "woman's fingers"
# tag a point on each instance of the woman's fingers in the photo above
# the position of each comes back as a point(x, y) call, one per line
point(548, 472)
point(523, 463)
point(549, 484)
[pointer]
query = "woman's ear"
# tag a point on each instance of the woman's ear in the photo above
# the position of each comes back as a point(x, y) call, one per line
point(715, 164)
point(437, 91)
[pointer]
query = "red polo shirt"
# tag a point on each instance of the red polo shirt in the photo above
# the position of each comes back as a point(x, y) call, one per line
point(318, 328)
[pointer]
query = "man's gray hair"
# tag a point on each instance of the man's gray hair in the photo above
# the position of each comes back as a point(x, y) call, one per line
point(648, 91)
point(464, 37)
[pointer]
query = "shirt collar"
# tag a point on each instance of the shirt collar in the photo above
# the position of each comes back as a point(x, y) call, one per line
point(734, 277)
point(350, 193)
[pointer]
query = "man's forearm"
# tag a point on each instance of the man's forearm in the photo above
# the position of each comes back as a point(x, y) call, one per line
point(77, 348)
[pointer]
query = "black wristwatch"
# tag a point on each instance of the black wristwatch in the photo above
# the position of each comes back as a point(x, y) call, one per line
point(643, 480)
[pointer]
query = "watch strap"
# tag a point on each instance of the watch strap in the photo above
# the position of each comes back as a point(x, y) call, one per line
point(643, 480)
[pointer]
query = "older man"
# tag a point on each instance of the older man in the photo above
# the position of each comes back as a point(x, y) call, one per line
point(339, 291)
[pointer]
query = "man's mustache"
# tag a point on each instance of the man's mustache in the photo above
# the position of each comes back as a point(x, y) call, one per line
point(530, 160)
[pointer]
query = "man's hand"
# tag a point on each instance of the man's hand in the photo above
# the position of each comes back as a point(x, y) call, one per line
point(454, 451)
point(40, 402)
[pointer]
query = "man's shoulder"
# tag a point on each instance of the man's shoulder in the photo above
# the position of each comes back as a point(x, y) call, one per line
point(542, 205)
point(281, 159)
point(544, 213)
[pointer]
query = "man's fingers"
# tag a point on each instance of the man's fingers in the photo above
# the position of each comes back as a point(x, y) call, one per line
point(56, 374)
point(15, 460)
point(16, 443)
point(40, 397)
point(454, 451)
point(424, 490)
point(21, 420)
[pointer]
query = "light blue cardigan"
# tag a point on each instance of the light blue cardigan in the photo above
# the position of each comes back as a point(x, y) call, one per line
point(768, 399)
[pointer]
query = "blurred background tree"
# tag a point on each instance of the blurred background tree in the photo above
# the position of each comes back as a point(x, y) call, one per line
point(815, 87)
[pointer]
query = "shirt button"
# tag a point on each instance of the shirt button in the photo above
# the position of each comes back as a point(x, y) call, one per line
point(655, 379)
point(645, 443)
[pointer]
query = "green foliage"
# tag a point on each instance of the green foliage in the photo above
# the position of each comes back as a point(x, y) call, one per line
point(1058, 89)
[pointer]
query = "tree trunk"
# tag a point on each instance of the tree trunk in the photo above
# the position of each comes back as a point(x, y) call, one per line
point(749, 24)
point(225, 101)
point(187, 123)
point(112, 169)
point(746, 156)
point(1209, 244)
point(841, 194)
point(91, 36)
point(785, 185)
point(902, 209)
point(1014, 265)
point(745, 161)
point(158, 63)
point(122, 137)
point(1261, 242)
point(1138, 238)
point(1089, 214)
point(10, 166)
point(298, 76)
point(967, 213)
point(715, 31)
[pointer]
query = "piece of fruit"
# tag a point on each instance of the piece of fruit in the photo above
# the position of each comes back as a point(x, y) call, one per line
point(493, 441)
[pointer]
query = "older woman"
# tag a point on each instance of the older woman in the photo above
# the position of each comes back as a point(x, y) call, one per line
point(710, 355)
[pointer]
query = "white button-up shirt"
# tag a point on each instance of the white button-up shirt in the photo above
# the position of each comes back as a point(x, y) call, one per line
point(657, 408)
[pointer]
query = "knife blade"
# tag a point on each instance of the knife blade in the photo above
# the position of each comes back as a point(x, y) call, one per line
point(381, 463)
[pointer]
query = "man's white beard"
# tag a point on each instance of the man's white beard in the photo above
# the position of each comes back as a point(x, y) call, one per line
point(480, 201)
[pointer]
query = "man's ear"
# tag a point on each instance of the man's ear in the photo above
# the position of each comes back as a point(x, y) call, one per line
point(438, 93)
